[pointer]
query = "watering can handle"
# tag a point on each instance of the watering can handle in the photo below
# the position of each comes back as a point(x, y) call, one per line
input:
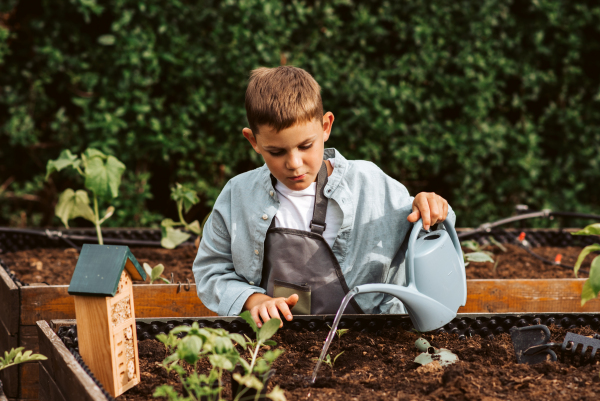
point(410, 255)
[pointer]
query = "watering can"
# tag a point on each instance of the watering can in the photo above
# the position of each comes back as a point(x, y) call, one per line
point(435, 273)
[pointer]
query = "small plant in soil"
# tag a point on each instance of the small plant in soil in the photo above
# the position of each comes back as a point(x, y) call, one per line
point(478, 254)
point(102, 177)
point(154, 273)
point(17, 356)
point(185, 199)
point(591, 286)
point(217, 345)
point(330, 361)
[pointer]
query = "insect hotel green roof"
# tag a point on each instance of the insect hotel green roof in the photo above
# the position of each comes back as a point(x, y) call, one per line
point(99, 270)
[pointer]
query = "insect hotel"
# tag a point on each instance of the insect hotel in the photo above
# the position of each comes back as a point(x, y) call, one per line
point(103, 291)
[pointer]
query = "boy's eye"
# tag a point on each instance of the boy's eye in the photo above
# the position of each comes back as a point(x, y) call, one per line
point(277, 153)
point(304, 147)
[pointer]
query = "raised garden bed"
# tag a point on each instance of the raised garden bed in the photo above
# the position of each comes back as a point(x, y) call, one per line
point(42, 298)
point(377, 362)
point(536, 288)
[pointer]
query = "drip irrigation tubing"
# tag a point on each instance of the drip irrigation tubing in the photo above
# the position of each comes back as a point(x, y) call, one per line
point(546, 213)
point(69, 238)
point(547, 261)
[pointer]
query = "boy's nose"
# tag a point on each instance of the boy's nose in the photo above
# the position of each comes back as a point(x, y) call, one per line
point(294, 162)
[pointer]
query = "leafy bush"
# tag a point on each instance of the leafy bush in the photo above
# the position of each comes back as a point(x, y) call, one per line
point(489, 103)
point(591, 286)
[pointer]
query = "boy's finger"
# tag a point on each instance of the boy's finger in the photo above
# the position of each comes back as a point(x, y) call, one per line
point(445, 212)
point(285, 310)
point(254, 314)
point(264, 314)
point(425, 214)
point(415, 215)
point(292, 300)
point(275, 314)
point(434, 209)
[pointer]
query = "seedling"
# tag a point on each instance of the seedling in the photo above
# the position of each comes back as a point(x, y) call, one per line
point(185, 199)
point(17, 356)
point(591, 286)
point(341, 332)
point(478, 254)
point(217, 346)
point(155, 273)
point(330, 362)
point(102, 176)
point(442, 355)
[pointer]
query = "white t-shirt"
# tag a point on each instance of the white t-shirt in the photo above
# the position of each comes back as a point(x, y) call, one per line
point(296, 210)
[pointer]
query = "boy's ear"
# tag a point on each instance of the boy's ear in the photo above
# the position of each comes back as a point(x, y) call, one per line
point(328, 119)
point(247, 132)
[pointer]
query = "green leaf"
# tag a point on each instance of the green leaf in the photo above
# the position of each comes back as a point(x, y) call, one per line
point(74, 204)
point(168, 223)
point(478, 257)
point(147, 269)
point(157, 271)
point(238, 338)
point(194, 227)
point(249, 381)
point(591, 287)
point(248, 318)
point(17, 356)
point(220, 361)
point(584, 252)
point(270, 356)
point(497, 243)
point(471, 244)
point(337, 356)
point(592, 229)
point(270, 342)
point(65, 159)
point(180, 329)
point(109, 212)
point(277, 394)
point(173, 237)
point(268, 330)
point(181, 193)
point(103, 177)
point(106, 40)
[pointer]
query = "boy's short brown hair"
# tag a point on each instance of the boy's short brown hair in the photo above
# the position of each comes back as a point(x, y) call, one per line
point(282, 97)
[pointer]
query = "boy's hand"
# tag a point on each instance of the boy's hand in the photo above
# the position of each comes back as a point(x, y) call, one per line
point(430, 207)
point(268, 308)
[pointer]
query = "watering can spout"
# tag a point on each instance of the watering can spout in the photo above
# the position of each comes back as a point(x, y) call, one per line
point(425, 313)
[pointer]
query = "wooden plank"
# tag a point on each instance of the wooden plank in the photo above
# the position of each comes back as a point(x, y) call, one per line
point(49, 391)
point(29, 374)
point(548, 295)
point(9, 376)
point(9, 299)
point(28, 338)
point(64, 370)
point(156, 300)
point(95, 340)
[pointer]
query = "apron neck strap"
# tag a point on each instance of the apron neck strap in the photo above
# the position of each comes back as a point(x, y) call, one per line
point(317, 225)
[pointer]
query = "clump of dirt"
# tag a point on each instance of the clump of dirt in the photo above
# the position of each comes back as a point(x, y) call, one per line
point(381, 367)
point(55, 266)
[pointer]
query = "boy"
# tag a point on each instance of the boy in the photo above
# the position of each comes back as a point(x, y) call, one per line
point(297, 233)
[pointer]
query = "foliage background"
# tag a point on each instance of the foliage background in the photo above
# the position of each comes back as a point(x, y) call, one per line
point(490, 103)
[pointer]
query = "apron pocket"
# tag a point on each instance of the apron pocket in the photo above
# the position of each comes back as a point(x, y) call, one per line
point(285, 289)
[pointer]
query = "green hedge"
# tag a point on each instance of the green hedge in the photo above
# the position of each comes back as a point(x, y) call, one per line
point(489, 103)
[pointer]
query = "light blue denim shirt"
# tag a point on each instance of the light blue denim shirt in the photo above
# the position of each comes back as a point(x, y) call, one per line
point(369, 245)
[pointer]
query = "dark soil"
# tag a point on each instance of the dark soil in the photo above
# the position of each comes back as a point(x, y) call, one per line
point(517, 263)
point(381, 368)
point(55, 266)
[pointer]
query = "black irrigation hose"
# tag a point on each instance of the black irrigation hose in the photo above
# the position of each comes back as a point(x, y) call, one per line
point(55, 234)
point(547, 261)
point(547, 213)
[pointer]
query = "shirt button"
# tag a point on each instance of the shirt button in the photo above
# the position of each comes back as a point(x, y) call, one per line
point(256, 251)
point(264, 217)
point(251, 283)
point(271, 193)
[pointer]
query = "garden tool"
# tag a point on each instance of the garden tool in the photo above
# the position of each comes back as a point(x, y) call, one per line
point(532, 346)
point(435, 276)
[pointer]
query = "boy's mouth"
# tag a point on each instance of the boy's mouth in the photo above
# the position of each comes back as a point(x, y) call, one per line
point(298, 177)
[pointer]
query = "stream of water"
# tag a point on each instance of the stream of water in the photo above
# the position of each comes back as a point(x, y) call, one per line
point(331, 335)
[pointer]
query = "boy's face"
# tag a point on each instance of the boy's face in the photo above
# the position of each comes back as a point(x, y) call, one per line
point(294, 155)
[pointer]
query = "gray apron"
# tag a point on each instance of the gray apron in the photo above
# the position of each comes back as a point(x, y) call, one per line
point(302, 262)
